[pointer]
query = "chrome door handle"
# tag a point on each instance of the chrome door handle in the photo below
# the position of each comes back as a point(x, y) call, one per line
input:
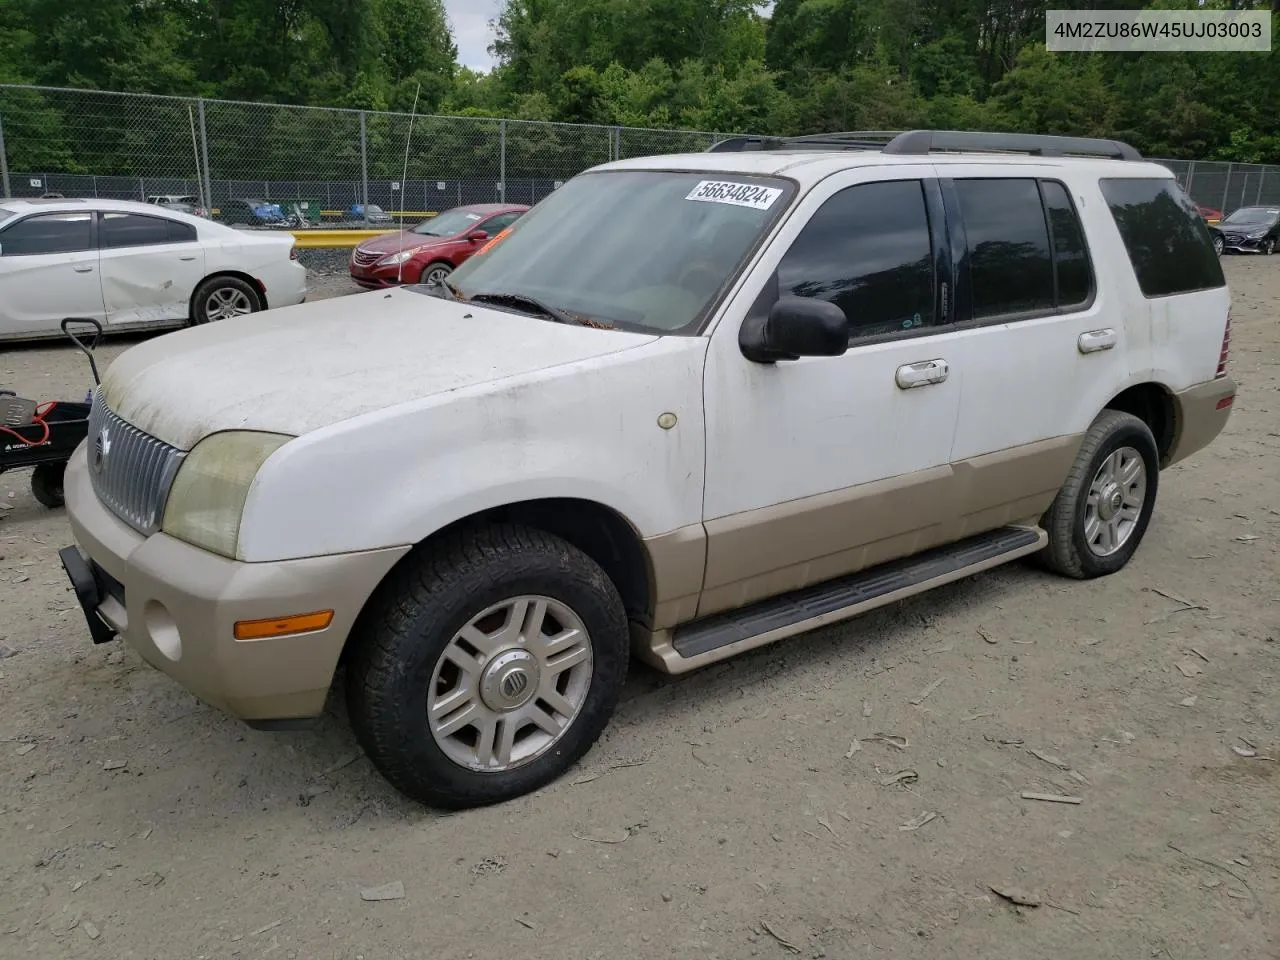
point(84, 268)
point(1097, 340)
point(922, 374)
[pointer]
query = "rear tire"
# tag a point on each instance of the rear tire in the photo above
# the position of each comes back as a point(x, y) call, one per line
point(46, 484)
point(487, 666)
point(1100, 515)
point(221, 298)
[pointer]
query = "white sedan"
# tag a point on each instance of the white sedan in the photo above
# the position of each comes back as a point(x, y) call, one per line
point(134, 266)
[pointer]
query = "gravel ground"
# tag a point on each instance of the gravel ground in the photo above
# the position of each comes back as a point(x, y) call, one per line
point(758, 808)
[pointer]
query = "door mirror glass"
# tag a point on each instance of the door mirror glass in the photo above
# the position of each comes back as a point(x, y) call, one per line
point(796, 327)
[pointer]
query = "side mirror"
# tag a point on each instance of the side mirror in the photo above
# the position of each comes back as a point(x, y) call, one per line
point(476, 236)
point(796, 327)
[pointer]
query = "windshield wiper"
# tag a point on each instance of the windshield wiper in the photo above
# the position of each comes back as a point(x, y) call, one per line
point(520, 300)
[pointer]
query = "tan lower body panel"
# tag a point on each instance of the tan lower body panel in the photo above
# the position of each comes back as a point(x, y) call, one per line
point(677, 561)
point(763, 553)
point(1200, 415)
point(656, 648)
point(182, 604)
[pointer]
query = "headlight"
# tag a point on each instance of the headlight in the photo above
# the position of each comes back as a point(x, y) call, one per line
point(208, 494)
point(398, 258)
point(1257, 235)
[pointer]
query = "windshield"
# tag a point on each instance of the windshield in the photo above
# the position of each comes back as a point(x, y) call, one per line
point(1254, 215)
point(643, 250)
point(448, 224)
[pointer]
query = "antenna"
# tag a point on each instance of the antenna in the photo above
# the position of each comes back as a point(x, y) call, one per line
point(404, 180)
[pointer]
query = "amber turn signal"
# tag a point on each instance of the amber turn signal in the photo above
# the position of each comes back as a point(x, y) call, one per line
point(283, 626)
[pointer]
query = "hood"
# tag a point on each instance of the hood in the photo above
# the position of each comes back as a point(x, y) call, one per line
point(392, 242)
point(297, 369)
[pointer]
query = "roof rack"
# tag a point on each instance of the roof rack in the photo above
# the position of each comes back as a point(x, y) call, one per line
point(854, 140)
point(923, 142)
point(917, 142)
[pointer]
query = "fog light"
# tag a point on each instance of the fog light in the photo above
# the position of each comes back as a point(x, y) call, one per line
point(162, 629)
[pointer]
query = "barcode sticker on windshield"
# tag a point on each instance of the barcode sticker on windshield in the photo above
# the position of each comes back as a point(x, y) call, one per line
point(737, 194)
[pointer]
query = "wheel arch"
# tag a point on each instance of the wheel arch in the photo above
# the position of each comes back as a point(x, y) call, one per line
point(599, 531)
point(442, 261)
point(253, 281)
point(1155, 405)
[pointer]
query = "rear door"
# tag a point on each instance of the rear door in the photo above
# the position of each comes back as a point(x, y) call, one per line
point(1043, 348)
point(150, 267)
point(48, 271)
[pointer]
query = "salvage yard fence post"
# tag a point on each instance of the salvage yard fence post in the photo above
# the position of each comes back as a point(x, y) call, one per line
point(4, 162)
point(502, 162)
point(206, 185)
point(364, 168)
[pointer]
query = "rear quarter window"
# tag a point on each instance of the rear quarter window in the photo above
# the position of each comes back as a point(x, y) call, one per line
point(1166, 238)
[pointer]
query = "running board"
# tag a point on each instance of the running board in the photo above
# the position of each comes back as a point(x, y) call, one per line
point(725, 635)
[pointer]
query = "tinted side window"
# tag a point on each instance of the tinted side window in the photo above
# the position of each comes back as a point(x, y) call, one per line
point(499, 223)
point(1070, 255)
point(1168, 243)
point(868, 251)
point(48, 233)
point(132, 230)
point(181, 232)
point(1009, 261)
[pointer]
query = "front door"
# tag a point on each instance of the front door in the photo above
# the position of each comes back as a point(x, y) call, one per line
point(150, 267)
point(826, 465)
point(48, 271)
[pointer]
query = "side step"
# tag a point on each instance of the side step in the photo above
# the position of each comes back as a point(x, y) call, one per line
point(724, 635)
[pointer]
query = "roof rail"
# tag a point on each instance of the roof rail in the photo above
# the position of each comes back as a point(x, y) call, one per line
point(917, 142)
point(921, 142)
point(856, 140)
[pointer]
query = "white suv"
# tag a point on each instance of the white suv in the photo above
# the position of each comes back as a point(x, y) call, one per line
point(687, 406)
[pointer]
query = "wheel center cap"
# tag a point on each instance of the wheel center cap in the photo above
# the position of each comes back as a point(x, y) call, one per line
point(510, 680)
point(1110, 502)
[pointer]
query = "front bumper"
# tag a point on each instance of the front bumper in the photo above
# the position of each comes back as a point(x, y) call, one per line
point(383, 278)
point(177, 606)
point(1243, 244)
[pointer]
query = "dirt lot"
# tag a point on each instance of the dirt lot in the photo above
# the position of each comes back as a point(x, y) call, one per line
point(724, 815)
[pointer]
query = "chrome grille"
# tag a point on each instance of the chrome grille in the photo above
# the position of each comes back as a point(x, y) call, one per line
point(131, 471)
point(360, 258)
point(1235, 238)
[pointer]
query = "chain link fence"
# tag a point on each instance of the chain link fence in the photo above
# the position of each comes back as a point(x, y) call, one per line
point(334, 165)
point(330, 165)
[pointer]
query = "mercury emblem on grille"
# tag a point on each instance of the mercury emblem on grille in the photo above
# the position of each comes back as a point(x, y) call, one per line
point(101, 449)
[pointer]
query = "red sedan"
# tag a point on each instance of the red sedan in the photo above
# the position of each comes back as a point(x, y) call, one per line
point(433, 249)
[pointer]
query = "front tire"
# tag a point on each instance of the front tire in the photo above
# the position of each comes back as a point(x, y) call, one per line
point(1100, 515)
point(1218, 245)
point(434, 274)
point(487, 666)
point(222, 298)
point(1269, 247)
